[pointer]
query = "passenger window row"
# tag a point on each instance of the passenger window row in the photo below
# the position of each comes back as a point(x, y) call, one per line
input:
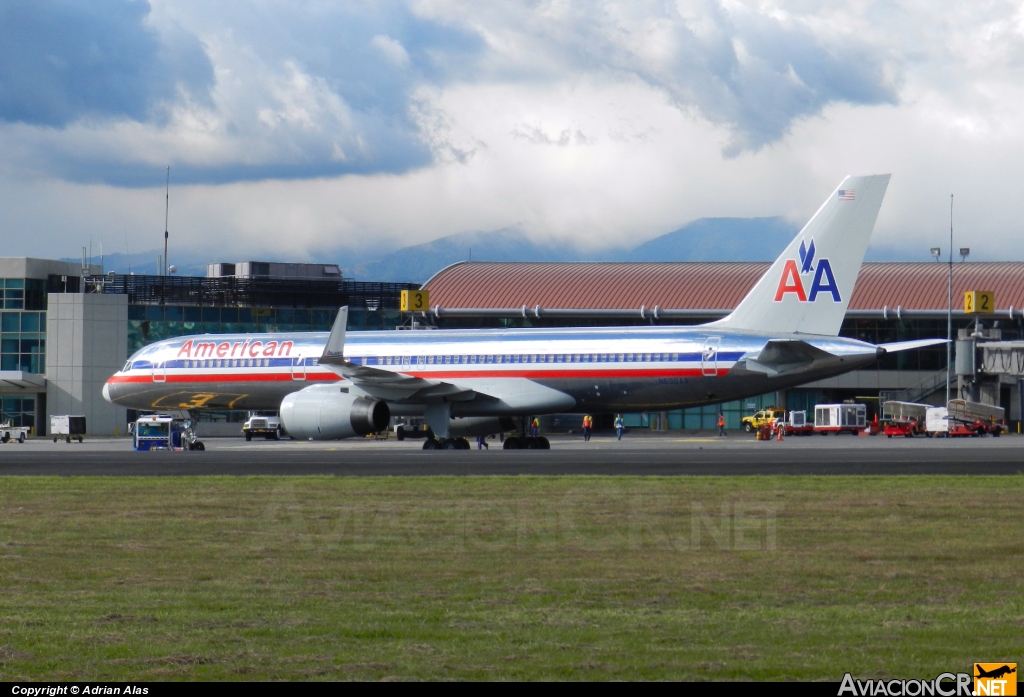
point(414, 361)
point(517, 358)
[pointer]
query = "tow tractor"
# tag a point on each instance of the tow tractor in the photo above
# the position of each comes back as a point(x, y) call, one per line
point(164, 432)
point(9, 433)
point(263, 423)
point(905, 419)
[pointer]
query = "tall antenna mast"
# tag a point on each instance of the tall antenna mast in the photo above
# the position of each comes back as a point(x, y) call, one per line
point(167, 206)
point(949, 306)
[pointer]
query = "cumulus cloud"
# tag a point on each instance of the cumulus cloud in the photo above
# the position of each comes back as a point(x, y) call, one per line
point(374, 124)
point(61, 62)
point(751, 69)
point(226, 93)
point(392, 50)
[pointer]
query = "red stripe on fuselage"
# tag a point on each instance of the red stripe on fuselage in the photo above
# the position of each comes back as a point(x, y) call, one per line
point(446, 375)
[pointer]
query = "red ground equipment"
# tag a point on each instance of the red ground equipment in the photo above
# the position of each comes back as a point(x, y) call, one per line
point(798, 425)
point(974, 419)
point(905, 419)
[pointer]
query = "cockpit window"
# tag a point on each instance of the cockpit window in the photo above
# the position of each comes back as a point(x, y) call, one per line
point(127, 367)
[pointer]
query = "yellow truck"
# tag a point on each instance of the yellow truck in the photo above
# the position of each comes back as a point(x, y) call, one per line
point(762, 417)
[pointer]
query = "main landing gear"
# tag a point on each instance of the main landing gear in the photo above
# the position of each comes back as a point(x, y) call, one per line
point(446, 444)
point(511, 443)
point(527, 443)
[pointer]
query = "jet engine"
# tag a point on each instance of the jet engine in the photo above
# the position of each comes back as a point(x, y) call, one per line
point(324, 412)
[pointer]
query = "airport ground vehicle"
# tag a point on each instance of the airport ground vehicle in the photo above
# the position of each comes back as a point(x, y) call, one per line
point(262, 423)
point(905, 419)
point(761, 418)
point(411, 427)
point(164, 432)
point(9, 433)
point(840, 418)
point(962, 418)
point(797, 424)
point(71, 427)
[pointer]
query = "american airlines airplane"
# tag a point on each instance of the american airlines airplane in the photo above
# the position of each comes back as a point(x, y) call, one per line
point(473, 381)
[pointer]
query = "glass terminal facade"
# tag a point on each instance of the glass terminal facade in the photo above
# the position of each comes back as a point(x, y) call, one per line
point(22, 341)
point(167, 307)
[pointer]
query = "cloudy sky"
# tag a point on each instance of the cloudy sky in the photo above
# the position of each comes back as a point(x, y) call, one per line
point(302, 129)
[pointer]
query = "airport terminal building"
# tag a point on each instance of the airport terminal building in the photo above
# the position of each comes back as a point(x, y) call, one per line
point(65, 330)
point(891, 302)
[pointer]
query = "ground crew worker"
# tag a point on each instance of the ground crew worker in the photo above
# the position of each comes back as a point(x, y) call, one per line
point(534, 426)
point(588, 423)
point(721, 424)
point(481, 443)
point(618, 426)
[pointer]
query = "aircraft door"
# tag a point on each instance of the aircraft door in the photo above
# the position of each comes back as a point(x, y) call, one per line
point(406, 363)
point(709, 355)
point(299, 367)
point(160, 371)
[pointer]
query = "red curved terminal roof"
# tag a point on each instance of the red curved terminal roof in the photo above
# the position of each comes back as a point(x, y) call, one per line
point(704, 285)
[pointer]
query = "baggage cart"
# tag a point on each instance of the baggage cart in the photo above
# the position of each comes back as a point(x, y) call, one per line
point(840, 418)
point(798, 425)
point(68, 427)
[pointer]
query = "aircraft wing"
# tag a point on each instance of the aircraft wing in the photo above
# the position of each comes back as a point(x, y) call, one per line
point(907, 345)
point(384, 384)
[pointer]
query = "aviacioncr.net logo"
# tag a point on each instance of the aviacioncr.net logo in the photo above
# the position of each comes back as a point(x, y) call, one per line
point(793, 278)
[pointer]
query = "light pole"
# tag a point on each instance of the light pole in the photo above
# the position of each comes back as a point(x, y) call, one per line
point(949, 306)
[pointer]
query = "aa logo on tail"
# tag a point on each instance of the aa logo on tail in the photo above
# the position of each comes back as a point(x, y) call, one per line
point(793, 277)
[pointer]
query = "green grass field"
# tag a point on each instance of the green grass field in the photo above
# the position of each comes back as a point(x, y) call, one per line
point(508, 577)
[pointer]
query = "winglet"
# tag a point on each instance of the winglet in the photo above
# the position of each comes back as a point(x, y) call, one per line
point(334, 351)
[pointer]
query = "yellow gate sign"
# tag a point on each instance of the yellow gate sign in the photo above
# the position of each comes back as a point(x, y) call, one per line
point(415, 300)
point(979, 302)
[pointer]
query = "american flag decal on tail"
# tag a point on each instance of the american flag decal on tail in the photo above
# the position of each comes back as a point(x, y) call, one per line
point(847, 195)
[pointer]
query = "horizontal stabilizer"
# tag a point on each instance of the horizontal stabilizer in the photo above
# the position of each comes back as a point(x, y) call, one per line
point(908, 345)
point(783, 356)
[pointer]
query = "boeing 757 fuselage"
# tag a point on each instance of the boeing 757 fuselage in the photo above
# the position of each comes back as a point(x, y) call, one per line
point(783, 333)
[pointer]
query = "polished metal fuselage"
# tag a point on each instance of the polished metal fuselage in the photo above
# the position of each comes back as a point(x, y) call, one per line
point(597, 370)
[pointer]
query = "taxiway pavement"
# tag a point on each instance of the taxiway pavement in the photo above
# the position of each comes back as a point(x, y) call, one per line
point(641, 454)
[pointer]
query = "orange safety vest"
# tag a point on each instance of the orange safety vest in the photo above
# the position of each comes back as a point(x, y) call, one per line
point(721, 421)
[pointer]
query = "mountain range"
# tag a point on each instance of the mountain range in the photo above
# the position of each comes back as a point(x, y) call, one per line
point(706, 239)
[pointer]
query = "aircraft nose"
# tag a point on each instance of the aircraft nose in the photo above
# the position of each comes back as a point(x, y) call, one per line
point(106, 392)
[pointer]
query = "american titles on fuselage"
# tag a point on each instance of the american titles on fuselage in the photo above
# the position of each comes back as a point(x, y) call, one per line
point(227, 349)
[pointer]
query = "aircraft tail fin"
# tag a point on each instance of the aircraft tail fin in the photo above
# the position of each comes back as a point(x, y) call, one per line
point(808, 288)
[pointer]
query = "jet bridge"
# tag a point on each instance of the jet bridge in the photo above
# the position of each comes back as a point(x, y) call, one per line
point(990, 370)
